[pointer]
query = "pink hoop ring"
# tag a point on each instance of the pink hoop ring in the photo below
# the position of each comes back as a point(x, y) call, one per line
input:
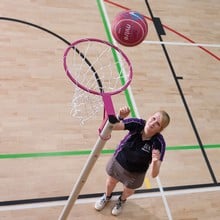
point(73, 45)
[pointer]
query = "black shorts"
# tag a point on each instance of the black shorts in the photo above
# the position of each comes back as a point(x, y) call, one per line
point(132, 180)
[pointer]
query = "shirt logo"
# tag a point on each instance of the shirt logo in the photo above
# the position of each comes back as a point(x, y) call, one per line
point(146, 148)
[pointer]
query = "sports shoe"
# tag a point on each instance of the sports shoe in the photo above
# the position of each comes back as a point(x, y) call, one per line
point(118, 207)
point(100, 204)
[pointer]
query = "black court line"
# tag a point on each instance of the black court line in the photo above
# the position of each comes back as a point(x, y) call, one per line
point(62, 39)
point(96, 195)
point(158, 27)
point(36, 26)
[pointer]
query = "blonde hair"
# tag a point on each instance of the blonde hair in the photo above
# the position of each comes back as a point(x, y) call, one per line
point(165, 119)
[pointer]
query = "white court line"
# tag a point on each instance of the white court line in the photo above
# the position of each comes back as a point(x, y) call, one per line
point(93, 200)
point(182, 44)
point(130, 94)
point(164, 198)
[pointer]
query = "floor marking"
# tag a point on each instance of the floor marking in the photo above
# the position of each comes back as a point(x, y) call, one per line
point(181, 44)
point(147, 183)
point(93, 200)
point(87, 152)
point(162, 193)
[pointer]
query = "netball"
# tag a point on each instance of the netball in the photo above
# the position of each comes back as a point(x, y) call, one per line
point(129, 28)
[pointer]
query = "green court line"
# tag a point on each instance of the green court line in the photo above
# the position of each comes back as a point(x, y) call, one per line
point(87, 152)
point(110, 39)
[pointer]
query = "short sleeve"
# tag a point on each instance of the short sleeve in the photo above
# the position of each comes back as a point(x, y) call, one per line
point(134, 124)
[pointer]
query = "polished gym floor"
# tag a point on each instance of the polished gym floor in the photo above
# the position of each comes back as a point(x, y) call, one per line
point(43, 148)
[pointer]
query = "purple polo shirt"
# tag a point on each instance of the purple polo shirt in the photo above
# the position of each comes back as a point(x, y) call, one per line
point(135, 154)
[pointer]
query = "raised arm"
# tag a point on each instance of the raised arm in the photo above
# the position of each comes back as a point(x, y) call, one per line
point(123, 113)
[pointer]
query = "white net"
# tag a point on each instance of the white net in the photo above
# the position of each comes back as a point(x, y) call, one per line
point(85, 105)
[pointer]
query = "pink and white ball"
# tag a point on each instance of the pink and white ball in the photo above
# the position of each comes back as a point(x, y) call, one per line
point(129, 28)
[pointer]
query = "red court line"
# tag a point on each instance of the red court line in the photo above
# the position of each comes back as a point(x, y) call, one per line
point(170, 29)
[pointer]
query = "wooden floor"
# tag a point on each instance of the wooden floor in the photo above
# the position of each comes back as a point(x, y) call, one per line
point(43, 148)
